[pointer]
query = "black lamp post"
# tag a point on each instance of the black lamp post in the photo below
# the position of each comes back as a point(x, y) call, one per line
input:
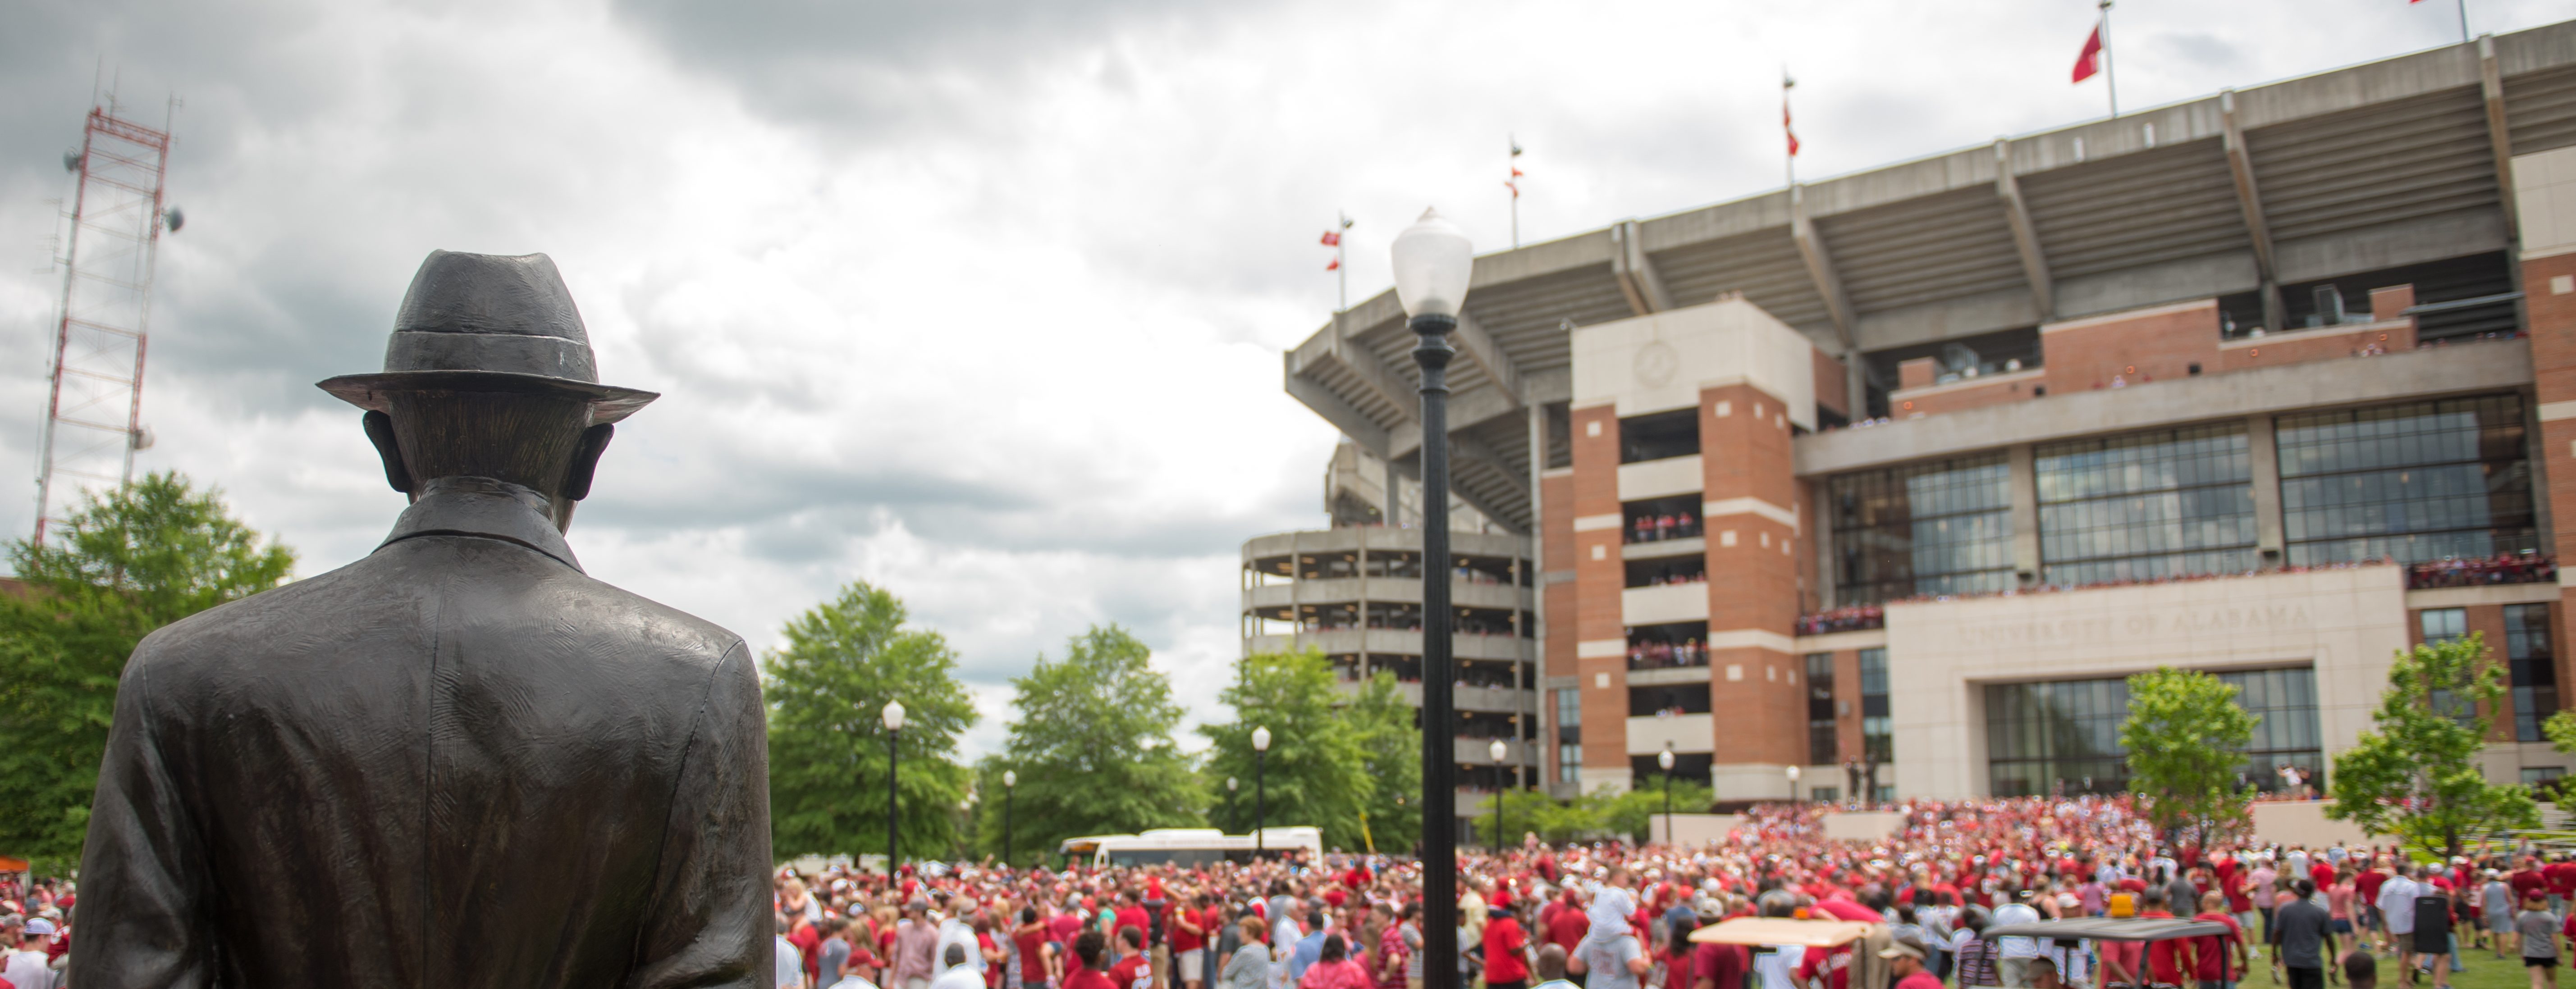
point(1665, 759)
point(1433, 265)
point(1498, 750)
point(1010, 786)
point(1260, 800)
point(893, 717)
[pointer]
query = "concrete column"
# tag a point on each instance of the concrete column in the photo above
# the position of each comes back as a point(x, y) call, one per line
point(2265, 460)
point(1537, 557)
point(2022, 463)
point(1820, 520)
point(1394, 515)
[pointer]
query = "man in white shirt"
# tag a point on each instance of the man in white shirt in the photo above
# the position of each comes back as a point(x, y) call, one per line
point(954, 972)
point(2014, 966)
point(27, 967)
point(2397, 905)
point(790, 970)
point(955, 932)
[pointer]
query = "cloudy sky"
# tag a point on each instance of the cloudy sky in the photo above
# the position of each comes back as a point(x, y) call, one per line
point(980, 300)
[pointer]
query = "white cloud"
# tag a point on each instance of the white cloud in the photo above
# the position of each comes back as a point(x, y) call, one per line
point(979, 301)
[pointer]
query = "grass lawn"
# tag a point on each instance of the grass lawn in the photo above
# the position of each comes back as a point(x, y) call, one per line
point(2484, 972)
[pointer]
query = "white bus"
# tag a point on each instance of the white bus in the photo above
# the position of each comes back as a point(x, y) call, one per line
point(1190, 846)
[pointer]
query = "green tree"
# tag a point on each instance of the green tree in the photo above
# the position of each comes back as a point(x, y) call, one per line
point(1555, 821)
point(1391, 758)
point(1092, 744)
point(1314, 773)
point(1632, 813)
point(827, 686)
point(126, 562)
point(2186, 737)
point(2416, 776)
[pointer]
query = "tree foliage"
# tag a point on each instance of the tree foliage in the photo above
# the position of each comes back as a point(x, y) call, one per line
point(1314, 773)
point(1628, 814)
point(1092, 744)
point(827, 686)
point(126, 562)
point(2186, 736)
point(2416, 775)
point(1390, 744)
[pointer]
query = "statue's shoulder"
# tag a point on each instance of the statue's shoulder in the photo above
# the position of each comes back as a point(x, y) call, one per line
point(652, 625)
point(385, 605)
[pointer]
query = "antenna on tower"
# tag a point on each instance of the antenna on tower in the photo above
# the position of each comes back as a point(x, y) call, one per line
point(94, 406)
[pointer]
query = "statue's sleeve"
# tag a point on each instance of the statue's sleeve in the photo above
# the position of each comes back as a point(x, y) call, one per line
point(143, 878)
point(710, 923)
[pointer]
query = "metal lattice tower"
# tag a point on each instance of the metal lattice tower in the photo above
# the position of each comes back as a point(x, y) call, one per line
point(93, 413)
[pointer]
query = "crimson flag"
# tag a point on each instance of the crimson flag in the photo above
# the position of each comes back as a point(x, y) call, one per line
point(1332, 238)
point(1334, 265)
point(2089, 61)
point(1786, 129)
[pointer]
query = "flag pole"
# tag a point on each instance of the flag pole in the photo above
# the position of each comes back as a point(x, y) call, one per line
point(2464, 21)
point(1340, 253)
point(1513, 165)
point(2110, 62)
point(1789, 160)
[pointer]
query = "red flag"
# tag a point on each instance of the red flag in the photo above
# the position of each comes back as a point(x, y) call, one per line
point(2089, 61)
point(1334, 265)
point(1514, 187)
point(1332, 238)
point(1784, 125)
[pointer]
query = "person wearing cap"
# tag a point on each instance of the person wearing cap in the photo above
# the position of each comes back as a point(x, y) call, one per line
point(28, 966)
point(1906, 957)
point(459, 751)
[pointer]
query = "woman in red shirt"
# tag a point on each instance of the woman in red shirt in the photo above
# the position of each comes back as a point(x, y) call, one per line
point(1335, 969)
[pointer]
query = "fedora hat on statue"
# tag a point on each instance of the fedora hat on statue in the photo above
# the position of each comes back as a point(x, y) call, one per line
point(489, 323)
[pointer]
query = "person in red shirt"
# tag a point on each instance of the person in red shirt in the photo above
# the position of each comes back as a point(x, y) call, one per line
point(1187, 935)
point(1084, 973)
point(2218, 958)
point(2166, 960)
point(1905, 956)
point(1833, 964)
point(808, 940)
point(2365, 889)
point(1505, 945)
point(1131, 971)
point(1129, 914)
point(1719, 966)
point(2562, 883)
point(1566, 929)
point(1036, 955)
point(2529, 881)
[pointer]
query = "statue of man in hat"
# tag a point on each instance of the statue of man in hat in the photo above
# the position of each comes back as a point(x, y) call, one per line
point(458, 762)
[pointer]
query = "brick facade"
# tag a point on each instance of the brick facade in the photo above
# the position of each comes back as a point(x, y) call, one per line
point(1599, 572)
point(2147, 345)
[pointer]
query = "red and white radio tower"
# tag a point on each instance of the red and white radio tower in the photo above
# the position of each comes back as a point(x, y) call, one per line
point(94, 415)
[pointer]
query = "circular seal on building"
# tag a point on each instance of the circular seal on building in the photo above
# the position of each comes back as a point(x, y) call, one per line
point(1656, 363)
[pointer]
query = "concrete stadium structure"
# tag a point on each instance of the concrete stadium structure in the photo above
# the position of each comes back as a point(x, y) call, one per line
point(1793, 472)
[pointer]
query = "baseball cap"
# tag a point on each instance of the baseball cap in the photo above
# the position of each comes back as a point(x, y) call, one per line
point(40, 927)
point(1904, 947)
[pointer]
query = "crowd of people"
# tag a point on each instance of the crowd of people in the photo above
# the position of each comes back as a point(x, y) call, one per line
point(2502, 568)
point(35, 931)
point(1658, 527)
point(1615, 916)
point(1654, 654)
point(1848, 618)
point(1857, 617)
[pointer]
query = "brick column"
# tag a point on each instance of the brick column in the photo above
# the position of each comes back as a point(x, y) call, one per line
point(1601, 640)
point(1751, 518)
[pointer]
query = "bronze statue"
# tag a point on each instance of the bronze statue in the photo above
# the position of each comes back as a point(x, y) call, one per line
point(458, 762)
